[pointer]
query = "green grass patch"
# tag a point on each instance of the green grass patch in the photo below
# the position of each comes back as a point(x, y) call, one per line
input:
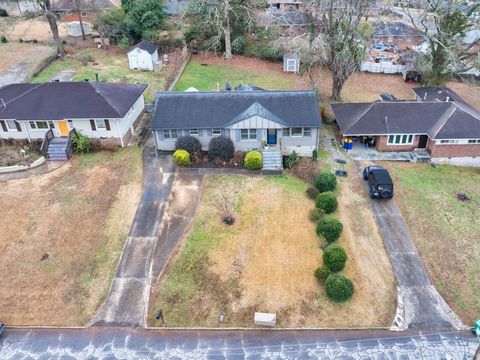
point(289, 182)
point(205, 78)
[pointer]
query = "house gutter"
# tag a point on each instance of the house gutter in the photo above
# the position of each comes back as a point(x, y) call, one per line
point(28, 134)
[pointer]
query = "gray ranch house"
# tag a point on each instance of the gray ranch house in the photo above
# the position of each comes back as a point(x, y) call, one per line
point(285, 120)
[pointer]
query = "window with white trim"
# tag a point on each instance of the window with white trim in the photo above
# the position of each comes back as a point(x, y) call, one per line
point(216, 132)
point(286, 132)
point(170, 134)
point(193, 132)
point(51, 125)
point(11, 125)
point(297, 132)
point(400, 139)
point(474, 141)
point(100, 124)
point(449, 141)
point(307, 132)
point(248, 134)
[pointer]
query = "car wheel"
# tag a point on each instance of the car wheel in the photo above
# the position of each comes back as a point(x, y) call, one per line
point(365, 176)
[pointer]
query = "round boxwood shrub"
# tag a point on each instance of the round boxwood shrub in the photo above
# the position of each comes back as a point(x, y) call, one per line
point(3, 13)
point(330, 228)
point(315, 214)
point(191, 144)
point(339, 288)
point(326, 182)
point(322, 273)
point(181, 157)
point(312, 192)
point(221, 147)
point(326, 201)
point(253, 160)
point(334, 257)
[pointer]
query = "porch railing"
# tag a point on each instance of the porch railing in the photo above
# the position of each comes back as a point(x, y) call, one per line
point(69, 148)
point(46, 141)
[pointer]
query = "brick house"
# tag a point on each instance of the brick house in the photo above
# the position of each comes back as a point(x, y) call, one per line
point(397, 33)
point(438, 121)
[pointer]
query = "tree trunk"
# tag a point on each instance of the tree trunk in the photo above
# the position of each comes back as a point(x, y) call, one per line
point(19, 8)
point(52, 21)
point(337, 86)
point(227, 30)
point(80, 19)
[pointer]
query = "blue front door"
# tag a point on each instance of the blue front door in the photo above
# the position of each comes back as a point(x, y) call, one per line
point(271, 136)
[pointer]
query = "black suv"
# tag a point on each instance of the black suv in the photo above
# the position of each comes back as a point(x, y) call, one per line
point(380, 183)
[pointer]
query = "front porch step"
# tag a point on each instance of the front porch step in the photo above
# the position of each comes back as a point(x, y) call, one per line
point(58, 149)
point(272, 159)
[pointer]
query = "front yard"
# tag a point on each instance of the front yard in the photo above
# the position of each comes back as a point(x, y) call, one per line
point(445, 227)
point(62, 235)
point(265, 261)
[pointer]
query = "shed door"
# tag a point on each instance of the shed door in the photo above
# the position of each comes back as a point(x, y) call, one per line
point(291, 65)
point(134, 61)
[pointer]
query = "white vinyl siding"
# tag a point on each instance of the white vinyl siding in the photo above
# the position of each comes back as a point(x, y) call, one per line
point(400, 139)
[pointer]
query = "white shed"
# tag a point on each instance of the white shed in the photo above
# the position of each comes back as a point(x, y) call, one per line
point(143, 56)
point(74, 29)
point(291, 62)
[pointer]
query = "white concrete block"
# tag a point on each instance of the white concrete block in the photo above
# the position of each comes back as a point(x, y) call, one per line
point(265, 319)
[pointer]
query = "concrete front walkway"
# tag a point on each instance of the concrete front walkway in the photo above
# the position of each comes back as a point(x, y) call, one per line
point(419, 303)
point(166, 208)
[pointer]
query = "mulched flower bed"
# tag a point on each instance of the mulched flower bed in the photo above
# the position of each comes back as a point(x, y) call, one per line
point(201, 160)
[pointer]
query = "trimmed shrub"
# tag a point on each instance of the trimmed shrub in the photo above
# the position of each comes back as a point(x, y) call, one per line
point(312, 192)
point(221, 147)
point(191, 144)
point(334, 257)
point(3, 39)
point(181, 157)
point(292, 160)
point(253, 160)
point(322, 273)
point(339, 288)
point(3, 13)
point(327, 201)
point(330, 228)
point(326, 182)
point(316, 214)
point(315, 154)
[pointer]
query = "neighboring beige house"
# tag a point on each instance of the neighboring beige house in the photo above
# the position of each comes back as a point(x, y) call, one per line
point(103, 111)
point(143, 56)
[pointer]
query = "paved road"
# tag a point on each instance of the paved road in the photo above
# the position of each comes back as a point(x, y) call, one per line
point(419, 303)
point(168, 204)
point(124, 343)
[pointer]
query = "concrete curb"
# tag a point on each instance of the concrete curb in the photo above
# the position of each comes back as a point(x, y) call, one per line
point(17, 168)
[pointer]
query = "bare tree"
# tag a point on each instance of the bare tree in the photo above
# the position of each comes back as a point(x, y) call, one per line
point(80, 20)
point(46, 7)
point(444, 24)
point(336, 37)
point(214, 20)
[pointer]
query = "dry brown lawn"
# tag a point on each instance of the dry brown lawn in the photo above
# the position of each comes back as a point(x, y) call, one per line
point(29, 29)
point(265, 262)
point(29, 56)
point(62, 234)
point(468, 92)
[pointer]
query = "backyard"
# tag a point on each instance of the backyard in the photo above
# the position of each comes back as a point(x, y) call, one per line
point(441, 206)
point(111, 65)
point(265, 261)
point(62, 235)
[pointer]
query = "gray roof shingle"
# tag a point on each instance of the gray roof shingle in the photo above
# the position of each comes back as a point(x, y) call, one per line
point(439, 120)
point(436, 94)
point(146, 45)
point(61, 100)
point(219, 109)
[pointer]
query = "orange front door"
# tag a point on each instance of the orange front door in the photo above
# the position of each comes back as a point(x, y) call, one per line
point(63, 128)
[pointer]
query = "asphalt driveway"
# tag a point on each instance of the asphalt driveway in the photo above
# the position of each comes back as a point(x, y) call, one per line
point(419, 303)
point(167, 206)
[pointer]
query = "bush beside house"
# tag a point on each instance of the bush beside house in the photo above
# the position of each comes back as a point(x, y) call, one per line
point(191, 144)
point(326, 182)
point(221, 147)
point(181, 157)
point(253, 160)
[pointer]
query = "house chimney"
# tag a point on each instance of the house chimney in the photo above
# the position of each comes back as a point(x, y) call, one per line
point(96, 76)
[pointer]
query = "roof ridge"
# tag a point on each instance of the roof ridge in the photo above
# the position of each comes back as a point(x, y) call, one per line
point(91, 83)
point(28, 91)
point(441, 122)
point(362, 114)
point(223, 92)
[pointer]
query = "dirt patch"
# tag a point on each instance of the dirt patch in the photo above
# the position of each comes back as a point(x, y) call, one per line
point(21, 54)
point(265, 262)
point(11, 155)
point(63, 233)
point(469, 93)
point(31, 29)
